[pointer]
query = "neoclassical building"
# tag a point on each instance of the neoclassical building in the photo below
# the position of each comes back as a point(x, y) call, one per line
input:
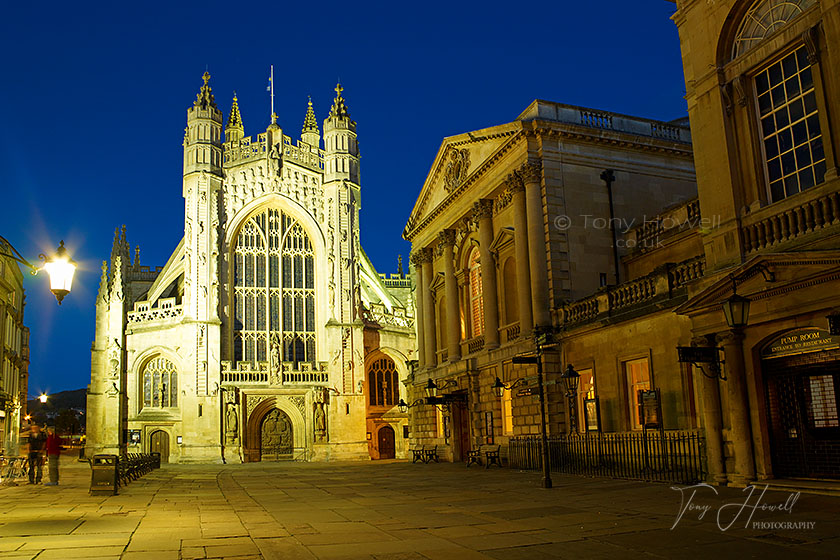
point(14, 354)
point(514, 222)
point(763, 96)
point(268, 334)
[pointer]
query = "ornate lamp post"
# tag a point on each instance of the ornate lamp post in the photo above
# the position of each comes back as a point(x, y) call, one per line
point(60, 267)
point(571, 380)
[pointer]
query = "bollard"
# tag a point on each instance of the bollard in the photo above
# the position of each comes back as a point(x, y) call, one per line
point(103, 476)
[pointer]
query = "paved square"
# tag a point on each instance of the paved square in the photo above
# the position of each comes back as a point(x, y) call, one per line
point(398, 510)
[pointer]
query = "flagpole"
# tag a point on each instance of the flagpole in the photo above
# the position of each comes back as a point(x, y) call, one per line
point(271, 83)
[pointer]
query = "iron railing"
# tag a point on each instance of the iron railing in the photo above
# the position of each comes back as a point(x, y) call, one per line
point(670, 456)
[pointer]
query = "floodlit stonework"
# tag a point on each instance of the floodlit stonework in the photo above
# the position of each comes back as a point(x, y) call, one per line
point(268, 334)
point(14, 355)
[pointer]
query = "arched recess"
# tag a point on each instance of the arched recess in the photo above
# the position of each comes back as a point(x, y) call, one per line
point(321, 270)
point(509, 290)
point(251, 436)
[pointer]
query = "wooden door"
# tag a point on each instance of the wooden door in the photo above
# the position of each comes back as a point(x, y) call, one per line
point(461, 444)
point(159, 443)
point(386, 438)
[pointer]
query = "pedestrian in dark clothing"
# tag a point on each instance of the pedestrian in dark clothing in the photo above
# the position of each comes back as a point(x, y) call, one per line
point(53, 446)
point(37, 441)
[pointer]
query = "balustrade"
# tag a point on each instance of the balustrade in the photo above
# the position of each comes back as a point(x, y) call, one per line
point(790, 220)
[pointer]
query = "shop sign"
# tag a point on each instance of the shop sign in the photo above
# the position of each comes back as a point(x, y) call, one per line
point(799, 341)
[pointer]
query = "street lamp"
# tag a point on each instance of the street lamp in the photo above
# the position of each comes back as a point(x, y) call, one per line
point(404, 406)
point(571, 380)
point(736, 309)
point(432, 387)
point(43, 398)
point(60, 267)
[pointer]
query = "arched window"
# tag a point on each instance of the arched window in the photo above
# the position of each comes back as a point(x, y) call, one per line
point(383, 383)
point(511, 303)
point(274, 289)
point(475, 296)
point(763, 19)
point(160, 383)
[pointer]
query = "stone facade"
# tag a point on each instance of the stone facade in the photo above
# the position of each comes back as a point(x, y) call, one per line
point(513, 225)
point(14, 354)
point(766, 161)
point(255, 339)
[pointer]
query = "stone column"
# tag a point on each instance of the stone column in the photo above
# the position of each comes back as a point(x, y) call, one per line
point(739, 415)
point(453, 322)
point(520, 242)
point(420, 295)
point(429, 344)
point(483, 214)
point(712, 422)
point(532, 176)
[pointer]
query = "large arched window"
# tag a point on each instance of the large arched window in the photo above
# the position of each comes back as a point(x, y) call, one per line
point(383, 383)
point(763, 19)
point(160, 383)
point(476, 296)
point(274, 289)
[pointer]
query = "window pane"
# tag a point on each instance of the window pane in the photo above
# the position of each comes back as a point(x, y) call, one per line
point(771, 147)
point(800, 133)
point(777, 191)
point(782, 118)
point(792, 87)
point(791, 185)
point(788, 163)
point(761, 83)
point(806, 178)
point(797, 110)
point(803, 156)
point(774, 168)
point(789, 65)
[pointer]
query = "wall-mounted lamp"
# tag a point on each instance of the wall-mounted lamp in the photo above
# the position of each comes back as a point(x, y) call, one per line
point(432, 387)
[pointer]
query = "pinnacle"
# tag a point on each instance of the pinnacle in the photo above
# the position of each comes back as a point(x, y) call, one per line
point(235, 119)
point(309, 122)
point(339, 109)
point(204, 98)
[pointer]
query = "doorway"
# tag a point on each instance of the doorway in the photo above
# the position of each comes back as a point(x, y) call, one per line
point(802, 415)
point(276, 441)
point(159, 443)
point(387, 442)
point(461, 438)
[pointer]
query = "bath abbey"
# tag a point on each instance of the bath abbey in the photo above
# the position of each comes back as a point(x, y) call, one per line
point(267, 334)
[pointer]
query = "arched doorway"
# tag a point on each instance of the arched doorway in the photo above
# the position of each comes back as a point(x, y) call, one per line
point(276, 436)
point(386, 440)
point(159, 443)
point(801, 371)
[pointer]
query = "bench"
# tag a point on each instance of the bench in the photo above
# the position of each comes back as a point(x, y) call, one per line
point(418, 454)
point(490, 453)
point(430, 454)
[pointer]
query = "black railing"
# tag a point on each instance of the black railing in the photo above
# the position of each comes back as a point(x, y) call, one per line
point(671, 456)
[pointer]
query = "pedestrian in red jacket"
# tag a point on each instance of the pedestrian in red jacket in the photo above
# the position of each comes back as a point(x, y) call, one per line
point(54, 443)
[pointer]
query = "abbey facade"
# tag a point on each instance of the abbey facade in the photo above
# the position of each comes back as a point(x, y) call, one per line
point(268, 334)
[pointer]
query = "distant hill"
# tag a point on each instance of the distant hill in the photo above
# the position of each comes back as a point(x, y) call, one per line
point(76, 399)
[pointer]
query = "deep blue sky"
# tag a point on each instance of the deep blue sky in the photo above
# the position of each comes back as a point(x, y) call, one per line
point(94, 103)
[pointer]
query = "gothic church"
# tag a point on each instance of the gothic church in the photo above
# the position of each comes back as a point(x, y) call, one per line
point(268, 334)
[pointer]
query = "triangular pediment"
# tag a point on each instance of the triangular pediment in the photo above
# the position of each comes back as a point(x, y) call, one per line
point(766, 276)
point(460, 162)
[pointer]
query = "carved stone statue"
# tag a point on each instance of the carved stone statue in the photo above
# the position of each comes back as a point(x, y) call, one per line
point(231, 425)
point(275, 369)
point(320, 422)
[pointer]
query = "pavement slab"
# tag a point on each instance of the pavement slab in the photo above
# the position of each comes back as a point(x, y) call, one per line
point(402, 511)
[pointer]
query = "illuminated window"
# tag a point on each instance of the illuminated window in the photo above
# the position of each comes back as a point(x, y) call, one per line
point(507, 413)
point(822, 405)
point(160, 383)
point(586, 411)
point(274, 289)
point(763, 19)
point(790, 126)
point(475, 296)
point(638, 379)
point(384, 386)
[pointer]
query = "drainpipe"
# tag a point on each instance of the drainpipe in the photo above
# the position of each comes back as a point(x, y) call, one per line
point(608, 177)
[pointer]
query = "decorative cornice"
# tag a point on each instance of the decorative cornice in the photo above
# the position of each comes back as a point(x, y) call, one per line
point(734, 336)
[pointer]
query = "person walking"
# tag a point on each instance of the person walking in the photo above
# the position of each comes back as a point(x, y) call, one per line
point(37, 441)
point(53, 445)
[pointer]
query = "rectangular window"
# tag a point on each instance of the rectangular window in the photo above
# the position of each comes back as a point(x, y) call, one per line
point(507, 413)
point(638, 379)
point(586, 392)
point(789, 125)
point(822, 408)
